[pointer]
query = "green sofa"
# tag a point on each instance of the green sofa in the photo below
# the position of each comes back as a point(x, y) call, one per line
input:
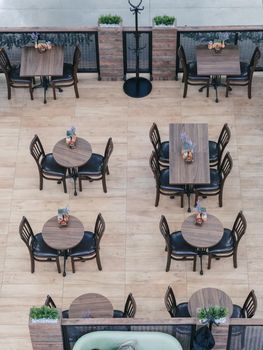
point(111, 340)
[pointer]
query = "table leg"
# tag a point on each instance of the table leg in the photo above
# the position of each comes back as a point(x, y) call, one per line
point(201, 252)
point(188, 191)
point(75, 176)
point(65, 259)
point(45, 85)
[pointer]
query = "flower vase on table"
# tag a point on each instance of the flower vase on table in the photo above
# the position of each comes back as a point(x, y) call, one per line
point(63, 216)
point(71, 137)
point(187, 148)
point(201, 214)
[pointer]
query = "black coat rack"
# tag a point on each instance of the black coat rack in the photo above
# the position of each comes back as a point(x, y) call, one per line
point(137, 87)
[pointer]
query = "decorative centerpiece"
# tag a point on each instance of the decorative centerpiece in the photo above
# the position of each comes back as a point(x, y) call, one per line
point(201, 214)
point(71, 137)
point(187, 148)
point(212, 314)
point(63, 216)
point(40, 45)
point(217, 46)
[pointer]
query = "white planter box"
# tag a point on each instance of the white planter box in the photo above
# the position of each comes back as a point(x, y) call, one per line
point(110, 25)
point(43, 320)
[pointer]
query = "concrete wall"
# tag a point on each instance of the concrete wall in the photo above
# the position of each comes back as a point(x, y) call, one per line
point(86, 12)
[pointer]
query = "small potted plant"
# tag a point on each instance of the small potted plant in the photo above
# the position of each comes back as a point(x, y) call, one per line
point(110, 20)
point(44, 314)
point(164, 21)
point(213, 314)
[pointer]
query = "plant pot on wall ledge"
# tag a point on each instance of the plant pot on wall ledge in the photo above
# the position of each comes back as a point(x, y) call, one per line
point(110, 21)
point(164, 22)
point(45, 328)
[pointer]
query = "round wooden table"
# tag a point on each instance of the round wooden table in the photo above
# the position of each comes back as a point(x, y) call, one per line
point(72, 158)
point(91, 305)
point(63, 237)
point(202, 237)
point(207, 297)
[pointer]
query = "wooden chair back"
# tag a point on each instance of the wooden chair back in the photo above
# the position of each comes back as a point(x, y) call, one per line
point(223, 140)
point(4, 62)
point(99, 229)
point(182, 57)
point(170, 301)
point(239, 227)
point(26, 233)
point(154, 164)
point(155, 138)
point(250, 305)
point(225, 168)
point(130, 307)
point(76, 60)
point(165, 231)
point(37, 150)
point(50, 302)
point(107, 154)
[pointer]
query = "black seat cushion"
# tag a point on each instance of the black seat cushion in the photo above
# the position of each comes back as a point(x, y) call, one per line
point(225, 245)
point(213, 151)
point(50, 166)
point(87, 245)
point(67, 73)
point(118, 314)
point(41, 249)
point(165, 184)
point(93, 165)
point(164, 152)
point(192, 72)
point(214, 184)
point(237, 312)
point(15, 76)
point(244, 70)
point(182, 310)
point(180, 246)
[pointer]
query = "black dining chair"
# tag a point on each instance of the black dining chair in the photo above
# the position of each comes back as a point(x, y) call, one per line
point(228, 244)
point(38, 249)
point(163, 185)
point(190, 76)
point(89, 246)
point(129, 308)
point(50, 303)
point(69, 77)
point(248, 310)
point(12, 75)
point(48, 168)
point(216, 149)
point(161, 148)
point(97, 167)
point(177, 310)
point(175, 245)
point(246, 76)
point(217, 181)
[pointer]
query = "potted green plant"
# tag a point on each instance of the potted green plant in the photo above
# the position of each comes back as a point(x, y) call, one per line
point(44, 314)
point(213, 314)
point(164, 21)
point(109, 20)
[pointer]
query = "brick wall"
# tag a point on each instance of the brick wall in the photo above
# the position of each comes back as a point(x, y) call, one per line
point(164, 53)
point(111, 53)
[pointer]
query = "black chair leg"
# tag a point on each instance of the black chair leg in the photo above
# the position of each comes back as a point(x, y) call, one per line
point(64, 185)
point(157, 197)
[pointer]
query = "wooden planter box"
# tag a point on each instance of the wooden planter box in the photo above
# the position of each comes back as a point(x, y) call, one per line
point(46, 336)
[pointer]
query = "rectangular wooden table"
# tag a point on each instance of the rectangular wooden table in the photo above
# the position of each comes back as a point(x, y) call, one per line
point(197, 172)
point(45, 64)
point(226, 62)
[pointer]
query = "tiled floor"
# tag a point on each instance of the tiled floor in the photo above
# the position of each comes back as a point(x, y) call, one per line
point(132, 249)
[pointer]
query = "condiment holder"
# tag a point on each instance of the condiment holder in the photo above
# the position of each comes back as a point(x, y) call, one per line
point(63, 216)
point(187, 148)
point(201, 214)
point(71, 137)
